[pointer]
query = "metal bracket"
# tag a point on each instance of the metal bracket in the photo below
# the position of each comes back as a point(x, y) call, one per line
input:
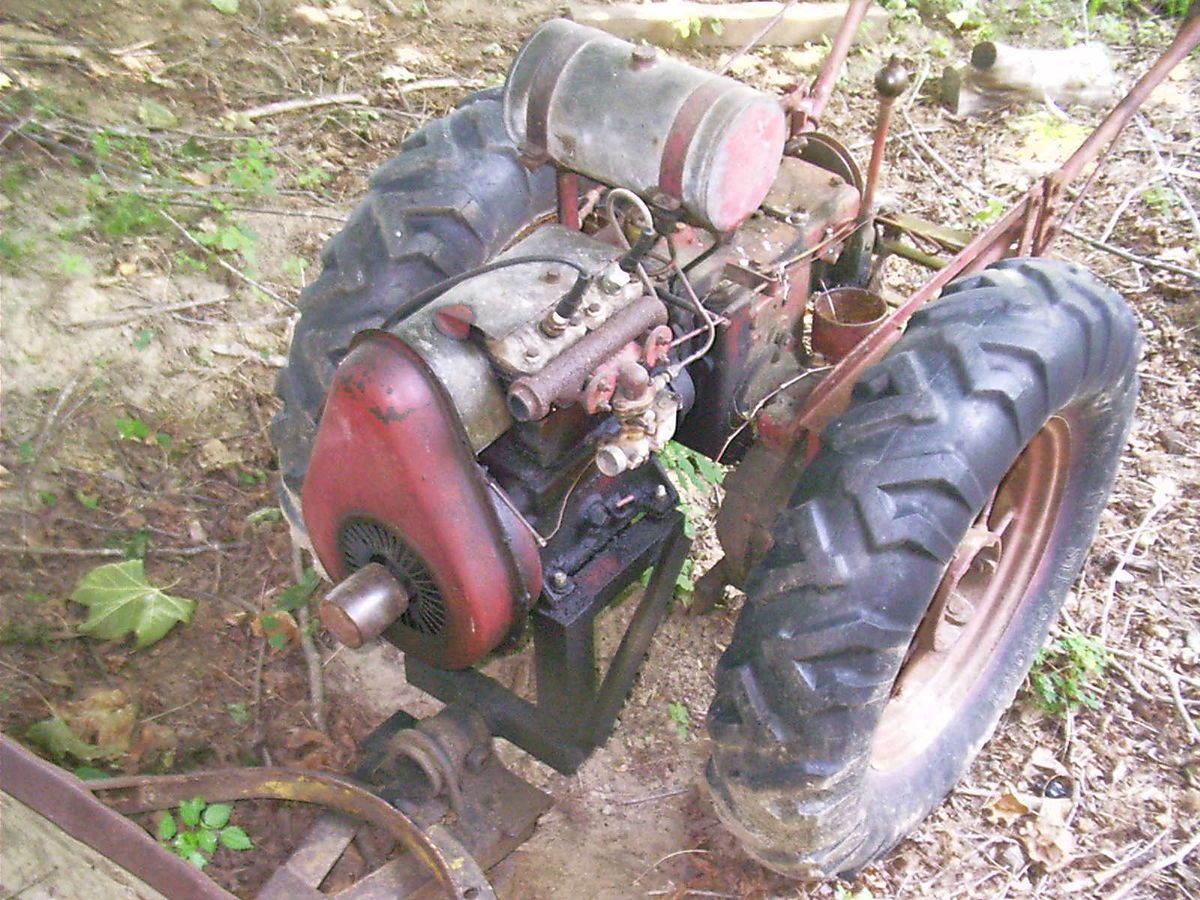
point(572, 716)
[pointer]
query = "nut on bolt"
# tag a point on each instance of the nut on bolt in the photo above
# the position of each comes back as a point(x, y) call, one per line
point(892, 80)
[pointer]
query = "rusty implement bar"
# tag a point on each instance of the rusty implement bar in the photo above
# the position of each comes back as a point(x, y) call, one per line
point(69, 803)
point(1028, 224)
point(456, 871)
point(807, 105)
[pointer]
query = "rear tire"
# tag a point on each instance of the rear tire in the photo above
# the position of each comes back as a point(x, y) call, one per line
point(455, 196)
point(805, 770)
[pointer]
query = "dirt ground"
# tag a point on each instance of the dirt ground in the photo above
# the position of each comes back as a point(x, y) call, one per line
point(137, 385)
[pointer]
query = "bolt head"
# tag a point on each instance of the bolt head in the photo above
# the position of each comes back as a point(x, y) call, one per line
point(660, 492)
point(643, 56)
point(558, 580)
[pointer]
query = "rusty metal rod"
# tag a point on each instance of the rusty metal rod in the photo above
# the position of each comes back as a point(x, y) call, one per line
point(531, 396)
point(454, 868)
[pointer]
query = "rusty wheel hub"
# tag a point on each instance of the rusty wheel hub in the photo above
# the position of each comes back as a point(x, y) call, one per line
point(993, 573)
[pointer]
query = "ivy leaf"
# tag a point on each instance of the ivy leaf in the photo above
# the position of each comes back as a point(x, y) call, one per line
point(216, 815)
point(189, 811)
point(235, 839)
point(120, 600)
point(166, 827)
point(56, 737)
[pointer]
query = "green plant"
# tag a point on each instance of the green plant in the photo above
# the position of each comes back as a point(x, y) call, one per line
point(228, 237)
point(841, 892)
point(250, 169)
point(14, 251)
point(297, 595)
point(1065, 671)
point(313, 178)
point(1160, 199)
point(689, 27)
point(992, 210)
point(120, 214)
point(132, 429)
point(201, 828)
point(688, 468)
point(680, 717)
point(120, 601)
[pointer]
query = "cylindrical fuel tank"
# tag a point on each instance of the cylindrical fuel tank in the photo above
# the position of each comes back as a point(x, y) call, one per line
point(631, 117)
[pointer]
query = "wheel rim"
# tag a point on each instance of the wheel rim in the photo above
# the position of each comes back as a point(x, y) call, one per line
point(993, 573)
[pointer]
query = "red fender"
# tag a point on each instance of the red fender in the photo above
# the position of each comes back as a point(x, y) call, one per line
point(391, 450)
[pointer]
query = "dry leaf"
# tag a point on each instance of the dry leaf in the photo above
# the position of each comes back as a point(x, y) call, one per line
point(1009, 806)
point(152, 739)
point(1047, 838)
point(104, 717)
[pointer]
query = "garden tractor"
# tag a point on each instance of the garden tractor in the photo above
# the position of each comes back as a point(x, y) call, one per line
point(617, 250)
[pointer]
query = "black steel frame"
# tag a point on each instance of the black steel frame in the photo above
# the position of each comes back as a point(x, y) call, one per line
point(576, 711)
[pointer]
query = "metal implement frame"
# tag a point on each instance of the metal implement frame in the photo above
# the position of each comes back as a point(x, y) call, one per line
point(575, 711)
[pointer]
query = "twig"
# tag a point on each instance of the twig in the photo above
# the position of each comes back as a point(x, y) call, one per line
point(142, 312)
point(280, 107)
point(758, 36)
point(1173, 679)
point(316, 677)
point(226, 266)
point(260, 737)
point(945, 166)
point(1115, 575)
point(1097, 879)
point(1162, 167)
point(1136, 191)
point(429, 84)
point(665, 858)
point(1132, 257)
point(196, 550)
point(391, 7)
point(1159, 865)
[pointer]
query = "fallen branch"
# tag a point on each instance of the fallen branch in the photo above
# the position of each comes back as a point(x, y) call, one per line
point(312, 659)
point(195, 550)
point(281, 107)
point(1115, 576)
point(226, 266)
point(142, 312)
point(1132, 257)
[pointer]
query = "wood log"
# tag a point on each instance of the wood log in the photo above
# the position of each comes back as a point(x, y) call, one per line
point(1000, 75)
point(678, 23)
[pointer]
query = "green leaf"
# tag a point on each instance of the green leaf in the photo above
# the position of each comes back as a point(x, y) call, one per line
point(132, 429)
point(142, 339)
point(235, 839)
point(217, 815)
point(228, 7)
point(167, 827)
point(297, 595)
point(190, 810)
point(196, 858)
point(206, 840)
point(25, 452)
point(266, 514)
point(56, 737)
point(91, 501)
point(121, 601)
point(238, 712)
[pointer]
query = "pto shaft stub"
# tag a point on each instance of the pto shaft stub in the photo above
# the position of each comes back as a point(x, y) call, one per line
point(361, 607)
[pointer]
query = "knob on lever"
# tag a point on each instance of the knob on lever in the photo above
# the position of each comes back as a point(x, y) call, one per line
point(890, 82)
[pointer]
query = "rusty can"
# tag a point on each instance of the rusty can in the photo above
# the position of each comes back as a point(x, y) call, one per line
point(628, 116)
point(842, 317)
